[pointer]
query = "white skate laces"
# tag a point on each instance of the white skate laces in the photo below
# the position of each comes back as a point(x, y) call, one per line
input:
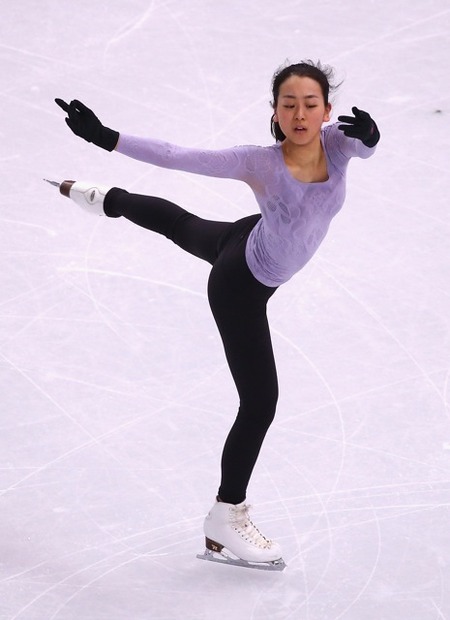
point(244, 526)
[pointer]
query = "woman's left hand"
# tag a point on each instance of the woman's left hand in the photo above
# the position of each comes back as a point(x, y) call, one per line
point(361, 126)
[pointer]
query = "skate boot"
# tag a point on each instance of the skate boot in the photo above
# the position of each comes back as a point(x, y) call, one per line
point(89, 196)
point(232, 538)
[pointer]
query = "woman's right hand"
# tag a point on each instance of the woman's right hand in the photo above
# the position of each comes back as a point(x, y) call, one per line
point(84, 123)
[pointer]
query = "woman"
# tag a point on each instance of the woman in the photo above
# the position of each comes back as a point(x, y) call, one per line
point(299, 184)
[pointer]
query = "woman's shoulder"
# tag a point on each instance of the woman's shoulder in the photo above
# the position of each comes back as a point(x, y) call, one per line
point(259, 159)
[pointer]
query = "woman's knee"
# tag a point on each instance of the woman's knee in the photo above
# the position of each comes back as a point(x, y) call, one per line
point(260, 408)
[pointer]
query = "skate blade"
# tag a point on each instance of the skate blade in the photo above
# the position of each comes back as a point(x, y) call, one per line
point(54, 183)
point(222, 558)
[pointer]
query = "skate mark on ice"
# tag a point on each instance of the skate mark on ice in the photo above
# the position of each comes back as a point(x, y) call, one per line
point(323, 501)
point(112, 556)
point(130, 27)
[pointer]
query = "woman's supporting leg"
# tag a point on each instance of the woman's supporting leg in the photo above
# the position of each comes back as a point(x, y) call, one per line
point(202, 238)
point(249, 353)
point(238, 302)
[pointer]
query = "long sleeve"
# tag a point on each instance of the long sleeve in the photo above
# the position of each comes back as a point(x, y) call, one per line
point(227, 163)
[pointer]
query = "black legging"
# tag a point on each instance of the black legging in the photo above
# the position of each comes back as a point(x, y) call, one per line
point(238, 302)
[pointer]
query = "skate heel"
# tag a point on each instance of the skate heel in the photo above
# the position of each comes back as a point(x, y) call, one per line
point(211, 545)
point(65, 187)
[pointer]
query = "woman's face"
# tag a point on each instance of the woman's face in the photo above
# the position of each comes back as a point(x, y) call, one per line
point(301, 110)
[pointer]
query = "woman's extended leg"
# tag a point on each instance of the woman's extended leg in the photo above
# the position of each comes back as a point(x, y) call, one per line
point(202, 238)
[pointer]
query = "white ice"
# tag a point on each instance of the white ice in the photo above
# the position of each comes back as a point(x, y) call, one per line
point(115, 395)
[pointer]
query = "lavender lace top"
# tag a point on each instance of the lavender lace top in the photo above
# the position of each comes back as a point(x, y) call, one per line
point(295, 215)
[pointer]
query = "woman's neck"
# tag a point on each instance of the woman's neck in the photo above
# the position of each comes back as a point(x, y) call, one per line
point(306, 163)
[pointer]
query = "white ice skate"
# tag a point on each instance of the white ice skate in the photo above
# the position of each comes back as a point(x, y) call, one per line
point(232, 538)
point(89, 196)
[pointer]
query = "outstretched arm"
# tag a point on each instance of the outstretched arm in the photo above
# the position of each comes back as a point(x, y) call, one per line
point(227, 163)
point(84, 123)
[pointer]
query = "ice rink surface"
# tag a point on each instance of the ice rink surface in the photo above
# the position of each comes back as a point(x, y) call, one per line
point(115, 395)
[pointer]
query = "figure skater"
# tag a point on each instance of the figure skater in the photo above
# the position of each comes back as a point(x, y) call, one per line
point(299, 185)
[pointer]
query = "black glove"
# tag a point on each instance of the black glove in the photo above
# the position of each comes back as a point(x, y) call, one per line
point(83, 122)
point(360, 126)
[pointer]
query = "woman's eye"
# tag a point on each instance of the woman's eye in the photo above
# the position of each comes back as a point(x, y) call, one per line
point(289, 107)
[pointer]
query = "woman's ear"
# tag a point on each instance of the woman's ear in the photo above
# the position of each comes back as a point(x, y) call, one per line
point(327, 115)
